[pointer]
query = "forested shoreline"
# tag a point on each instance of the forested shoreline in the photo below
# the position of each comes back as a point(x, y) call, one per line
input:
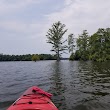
point(95, 47)
point(28, 57)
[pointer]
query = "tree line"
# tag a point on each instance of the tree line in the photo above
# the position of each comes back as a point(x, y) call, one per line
point(28, 57)
point(95, 47)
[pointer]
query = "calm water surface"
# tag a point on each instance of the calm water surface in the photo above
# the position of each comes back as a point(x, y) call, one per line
point(74, 85)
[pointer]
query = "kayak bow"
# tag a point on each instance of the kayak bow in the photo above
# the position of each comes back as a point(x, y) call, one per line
point(34, 99)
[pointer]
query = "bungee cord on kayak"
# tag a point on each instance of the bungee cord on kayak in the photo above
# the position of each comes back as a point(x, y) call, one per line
point(34, 98)
point(31, 96)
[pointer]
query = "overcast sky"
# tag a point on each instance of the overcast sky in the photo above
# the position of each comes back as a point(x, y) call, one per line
point(24, 23)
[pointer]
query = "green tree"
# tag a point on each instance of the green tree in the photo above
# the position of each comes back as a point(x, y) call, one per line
point(107, 41)
point(83, 45)
point(71, 43)
point(55, 37)
point(71, 46)
point(77, 55)
point(100, 45)
point(71, 56)
point(35, 58)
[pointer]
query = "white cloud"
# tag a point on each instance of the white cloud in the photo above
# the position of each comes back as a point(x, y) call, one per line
point(20, 27)
point(76, 14)
point(68, 2)
point(83, 14)
point(7, 6)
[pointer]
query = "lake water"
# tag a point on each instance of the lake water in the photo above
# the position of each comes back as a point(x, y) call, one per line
point(75, 85)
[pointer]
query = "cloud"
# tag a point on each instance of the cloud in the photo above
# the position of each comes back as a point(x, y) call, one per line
point(19, 26)
point(9, 6)
point(24, 23)
point(83, 14)
point(68, 2)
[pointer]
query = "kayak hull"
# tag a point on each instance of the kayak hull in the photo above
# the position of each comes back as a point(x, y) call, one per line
point(33, 99)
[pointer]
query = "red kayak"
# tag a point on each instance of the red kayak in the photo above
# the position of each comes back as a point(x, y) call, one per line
point(34, 99)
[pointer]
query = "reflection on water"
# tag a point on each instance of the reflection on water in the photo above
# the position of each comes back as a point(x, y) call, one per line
point(74, 85)
point(58, 87)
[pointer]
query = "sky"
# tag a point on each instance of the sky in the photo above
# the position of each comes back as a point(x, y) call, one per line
point(24, 23)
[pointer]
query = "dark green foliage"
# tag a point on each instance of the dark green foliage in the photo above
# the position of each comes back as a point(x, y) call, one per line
point(47, 57)
point(100, 45)
point(71, 43)
point(72, 57)
point(27, 57)
point(35, 57)
point(77, 55)
point(96, 47)
point(83, 46)
point(55, 37)
point(71, 46)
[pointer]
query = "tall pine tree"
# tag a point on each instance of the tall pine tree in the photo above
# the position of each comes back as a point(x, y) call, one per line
point(55, 37)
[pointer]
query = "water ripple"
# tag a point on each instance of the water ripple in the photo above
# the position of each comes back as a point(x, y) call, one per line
point(75, 85)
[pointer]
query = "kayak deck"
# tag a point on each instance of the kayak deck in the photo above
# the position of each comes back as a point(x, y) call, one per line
point(34, 99)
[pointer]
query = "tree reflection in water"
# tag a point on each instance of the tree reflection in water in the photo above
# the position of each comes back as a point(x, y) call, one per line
point(58, 87)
